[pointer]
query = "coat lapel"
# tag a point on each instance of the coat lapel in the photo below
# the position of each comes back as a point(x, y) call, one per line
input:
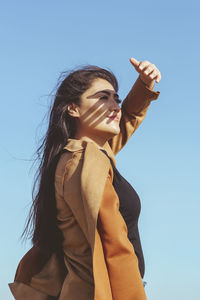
point(93, 177)
point(95, 170)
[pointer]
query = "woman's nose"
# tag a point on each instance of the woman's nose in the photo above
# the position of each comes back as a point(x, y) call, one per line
point(116, 106)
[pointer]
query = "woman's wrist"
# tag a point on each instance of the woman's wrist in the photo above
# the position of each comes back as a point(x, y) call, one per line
point(149, 84)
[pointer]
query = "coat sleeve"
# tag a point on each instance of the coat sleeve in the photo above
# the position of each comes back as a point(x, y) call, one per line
point(121, 260)
point(134, 109)
point(39, 276)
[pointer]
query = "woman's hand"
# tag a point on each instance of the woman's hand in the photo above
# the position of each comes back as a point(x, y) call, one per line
point(149, 73)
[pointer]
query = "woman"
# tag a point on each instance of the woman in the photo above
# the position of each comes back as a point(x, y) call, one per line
point(86, 243)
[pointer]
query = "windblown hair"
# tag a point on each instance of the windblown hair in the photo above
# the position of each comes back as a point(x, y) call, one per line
point(41, 225)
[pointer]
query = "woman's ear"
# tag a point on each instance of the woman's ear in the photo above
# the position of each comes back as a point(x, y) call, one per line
point(73, 110)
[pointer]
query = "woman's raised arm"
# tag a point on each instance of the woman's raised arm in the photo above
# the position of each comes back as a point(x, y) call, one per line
point(137, 102)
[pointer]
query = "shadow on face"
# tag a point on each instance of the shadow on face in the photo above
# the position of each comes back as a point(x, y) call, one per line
point(96, 114)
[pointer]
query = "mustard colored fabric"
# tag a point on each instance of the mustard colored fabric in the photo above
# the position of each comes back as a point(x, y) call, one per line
point(87, 206)
point(121, 260)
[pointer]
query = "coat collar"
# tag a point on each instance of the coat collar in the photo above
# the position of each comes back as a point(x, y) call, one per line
point(74, 145)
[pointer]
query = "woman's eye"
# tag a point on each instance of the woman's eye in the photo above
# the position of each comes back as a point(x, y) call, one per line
point(118, 100)
point(104, 97)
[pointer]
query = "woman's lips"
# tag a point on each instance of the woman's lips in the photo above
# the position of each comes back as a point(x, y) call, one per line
point(115, 118)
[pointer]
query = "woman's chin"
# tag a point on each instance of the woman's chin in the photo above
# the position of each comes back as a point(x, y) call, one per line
point(114, 132)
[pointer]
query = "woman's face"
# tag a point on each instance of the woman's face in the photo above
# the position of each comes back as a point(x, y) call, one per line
point(99, 112)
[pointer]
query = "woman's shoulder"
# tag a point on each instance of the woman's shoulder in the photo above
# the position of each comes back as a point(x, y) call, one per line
point(69, 161)
point(78, 155)
point(72, 155)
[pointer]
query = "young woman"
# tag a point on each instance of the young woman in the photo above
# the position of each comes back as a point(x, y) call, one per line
point(85, 237)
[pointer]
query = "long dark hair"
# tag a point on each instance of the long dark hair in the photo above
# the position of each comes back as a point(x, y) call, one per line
point(41, 223)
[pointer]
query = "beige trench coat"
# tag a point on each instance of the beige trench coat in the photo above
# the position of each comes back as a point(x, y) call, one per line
point(81, 179)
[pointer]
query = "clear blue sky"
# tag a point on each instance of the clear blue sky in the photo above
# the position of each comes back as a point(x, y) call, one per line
point(40, 39)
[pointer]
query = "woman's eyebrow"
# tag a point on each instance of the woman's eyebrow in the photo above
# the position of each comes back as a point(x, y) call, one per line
point(107, 92)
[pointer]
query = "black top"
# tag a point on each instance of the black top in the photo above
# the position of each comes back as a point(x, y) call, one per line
point(129, 208)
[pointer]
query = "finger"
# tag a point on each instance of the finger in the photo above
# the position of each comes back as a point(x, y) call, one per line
point(158, 78)
point(143, 65)
point(154, 74)
point(149, 69)
point(134, 62)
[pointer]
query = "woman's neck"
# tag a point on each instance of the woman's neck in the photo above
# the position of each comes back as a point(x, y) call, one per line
point(100, 142)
